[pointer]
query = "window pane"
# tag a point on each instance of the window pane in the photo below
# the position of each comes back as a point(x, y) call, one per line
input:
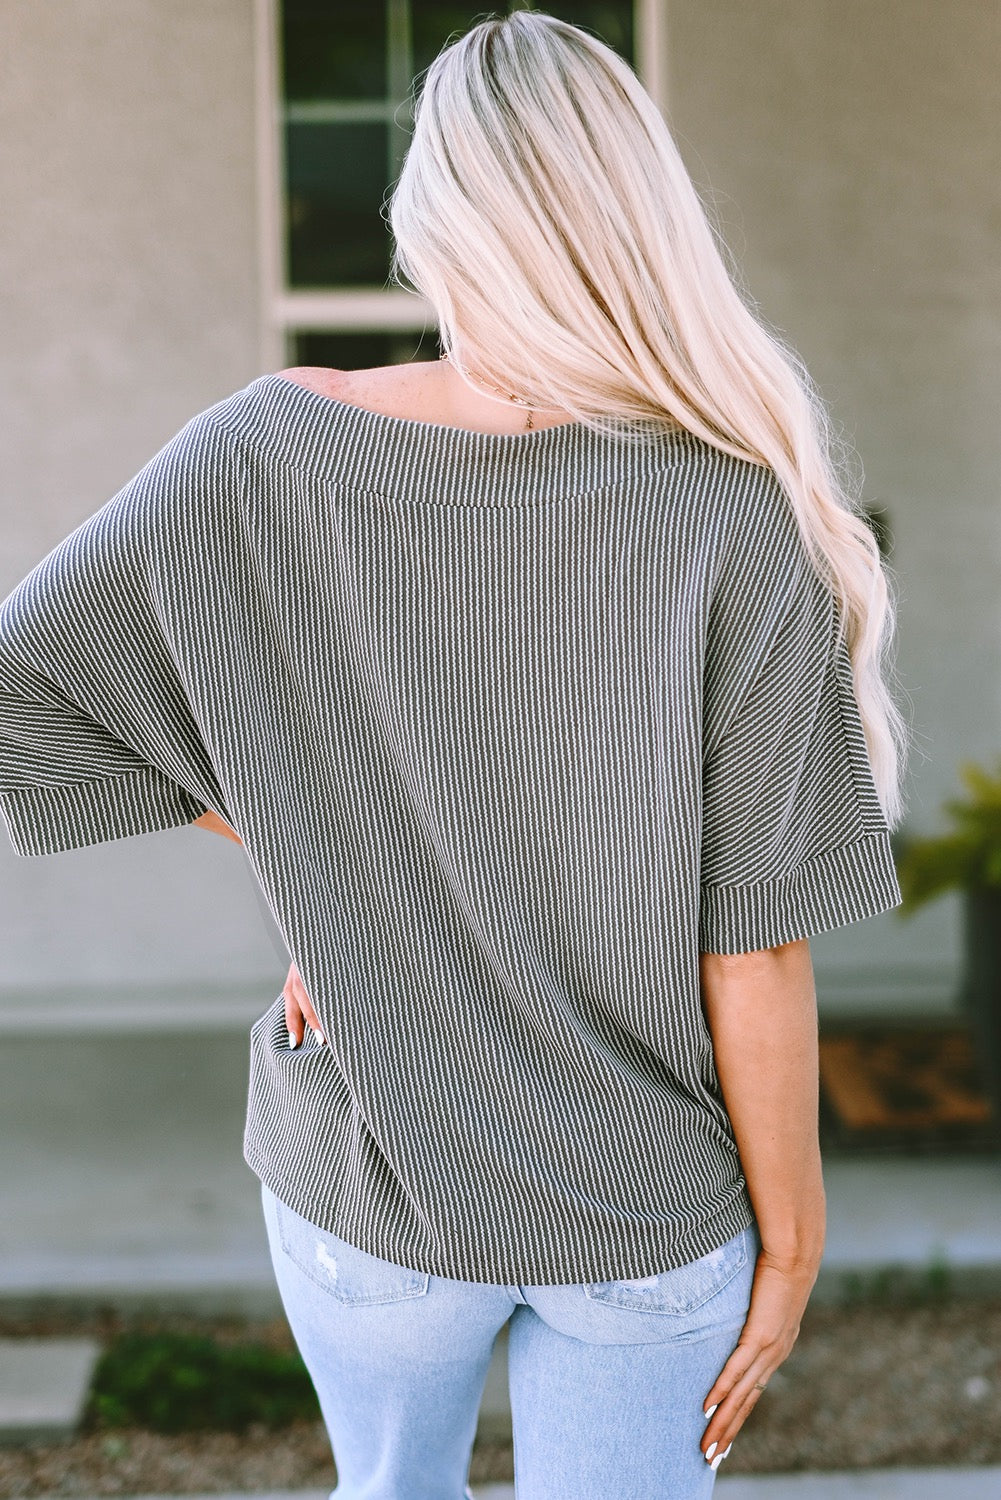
point(362, 351)
point(612, 20)
point(336, 180)
point(432, 24)
point(334, 51)
point(338, 170)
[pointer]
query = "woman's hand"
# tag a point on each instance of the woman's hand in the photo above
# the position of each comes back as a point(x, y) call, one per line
point(299, 1012)
point(215, 824)
point(778, 1300)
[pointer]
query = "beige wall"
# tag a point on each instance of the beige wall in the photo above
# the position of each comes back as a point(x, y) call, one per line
point(128, 262)
point(853, 151)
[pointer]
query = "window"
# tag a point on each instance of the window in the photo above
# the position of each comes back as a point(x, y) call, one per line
point(336, 123)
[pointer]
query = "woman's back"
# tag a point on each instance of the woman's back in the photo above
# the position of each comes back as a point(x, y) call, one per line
point(511, 725)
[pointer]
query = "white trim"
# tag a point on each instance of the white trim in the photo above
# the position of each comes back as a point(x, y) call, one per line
point(354, 309)
point(652, 55)
point(340, 112)
point(270, 175)
point(398, 50)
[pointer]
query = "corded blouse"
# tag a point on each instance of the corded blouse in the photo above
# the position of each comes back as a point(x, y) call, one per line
point(511, 727)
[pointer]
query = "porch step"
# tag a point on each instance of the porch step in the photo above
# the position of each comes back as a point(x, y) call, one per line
point(43, 1387)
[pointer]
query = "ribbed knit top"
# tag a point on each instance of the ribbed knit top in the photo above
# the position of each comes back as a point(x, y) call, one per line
point(511, 727)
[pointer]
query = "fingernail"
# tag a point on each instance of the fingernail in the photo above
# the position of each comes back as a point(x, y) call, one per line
point(708, 1414)
point(720, 1457)
point(292, 1040)
point(710, 1451)
point(318, 1034)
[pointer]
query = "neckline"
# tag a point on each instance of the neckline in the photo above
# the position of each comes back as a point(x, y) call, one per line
point(401, 458)
point(415, 424)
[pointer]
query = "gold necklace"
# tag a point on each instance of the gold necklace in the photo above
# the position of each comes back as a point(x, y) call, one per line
point(518, 400)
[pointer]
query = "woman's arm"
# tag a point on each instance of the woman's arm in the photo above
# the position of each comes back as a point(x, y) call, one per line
point(761, 1010)
point(299, 1010)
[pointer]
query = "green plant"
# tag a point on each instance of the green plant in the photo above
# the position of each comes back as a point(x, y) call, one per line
point(899, 1285)
point(968, 856)
point(172, 1382)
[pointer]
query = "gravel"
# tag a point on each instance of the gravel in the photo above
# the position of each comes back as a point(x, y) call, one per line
point(867, 1386)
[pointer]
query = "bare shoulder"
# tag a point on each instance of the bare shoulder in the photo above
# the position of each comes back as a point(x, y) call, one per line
point(405, 390)
point(324, 382)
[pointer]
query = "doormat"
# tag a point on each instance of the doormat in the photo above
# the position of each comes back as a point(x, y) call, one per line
point(897, 1089)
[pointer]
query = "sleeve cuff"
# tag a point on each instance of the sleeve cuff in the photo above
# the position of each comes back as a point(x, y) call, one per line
point(51, 819)
point(833, 889)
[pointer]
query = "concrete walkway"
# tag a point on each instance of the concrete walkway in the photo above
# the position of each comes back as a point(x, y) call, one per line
point(883, 1484)
point(886, 1484)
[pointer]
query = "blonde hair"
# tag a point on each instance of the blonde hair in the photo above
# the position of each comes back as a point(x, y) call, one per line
point(545, 213)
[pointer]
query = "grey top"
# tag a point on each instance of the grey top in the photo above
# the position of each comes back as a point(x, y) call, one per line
point(511, 728)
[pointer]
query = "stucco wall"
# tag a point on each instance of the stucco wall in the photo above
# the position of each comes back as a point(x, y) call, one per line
point(851, 150)
point(128, 263)
point(852, 153)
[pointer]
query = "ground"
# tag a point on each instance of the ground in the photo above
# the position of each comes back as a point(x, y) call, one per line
point(871, 1384)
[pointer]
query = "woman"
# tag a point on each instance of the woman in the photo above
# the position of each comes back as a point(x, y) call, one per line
point(543, 686)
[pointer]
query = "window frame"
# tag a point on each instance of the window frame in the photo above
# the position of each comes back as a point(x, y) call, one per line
point(286, 312)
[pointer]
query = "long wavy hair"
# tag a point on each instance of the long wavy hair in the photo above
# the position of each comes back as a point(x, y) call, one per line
point(545, 213)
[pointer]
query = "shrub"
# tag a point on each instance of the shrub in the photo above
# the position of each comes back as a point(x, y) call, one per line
point(173, 1382)
point(968, 855)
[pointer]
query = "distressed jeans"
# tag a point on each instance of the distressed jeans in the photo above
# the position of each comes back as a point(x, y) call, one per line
point(607, 1379)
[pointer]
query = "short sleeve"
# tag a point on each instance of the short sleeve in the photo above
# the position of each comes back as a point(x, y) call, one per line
point(794, 841)
point(97, 737)
point(66, 782)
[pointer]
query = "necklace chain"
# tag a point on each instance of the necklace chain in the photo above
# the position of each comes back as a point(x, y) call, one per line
point(510, 395)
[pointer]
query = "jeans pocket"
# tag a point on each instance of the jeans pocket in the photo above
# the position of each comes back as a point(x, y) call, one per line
point(350, 1275)
point(681, 1291)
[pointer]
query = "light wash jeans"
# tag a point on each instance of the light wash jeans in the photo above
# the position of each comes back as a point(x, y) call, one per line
point(607, 1379)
